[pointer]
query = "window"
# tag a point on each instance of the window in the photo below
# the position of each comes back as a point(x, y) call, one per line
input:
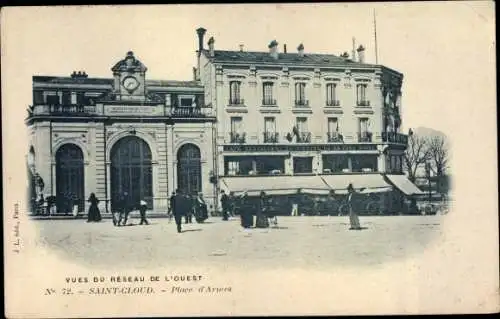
point(364, 163)
point(168, 100)
point(186, 101)
point(268, 98)
point(236, 124)
point(302, 165)
point(233, 168)
point(333, 125)
point(234, 92)
point(364, 134)
point(38, 97)
point(53, 99)
point(73, 97)
point(361, 95)
point(269, 164)
point(80, 98)
point(363, 125)
point(301, 123)
point(269, 124)
point(331, 94)
point(336, 163)
point(300, 94)
point(66, 97)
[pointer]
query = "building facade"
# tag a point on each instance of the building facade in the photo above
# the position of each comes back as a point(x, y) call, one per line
point(122, 134)
point(287, 116)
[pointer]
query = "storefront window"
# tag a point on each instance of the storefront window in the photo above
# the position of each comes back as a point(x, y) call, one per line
point(364, 163)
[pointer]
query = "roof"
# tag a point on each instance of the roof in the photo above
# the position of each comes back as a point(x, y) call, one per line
point(255, 57)
point(105, 81)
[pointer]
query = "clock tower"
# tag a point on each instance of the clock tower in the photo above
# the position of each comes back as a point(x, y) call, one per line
point(129, 79)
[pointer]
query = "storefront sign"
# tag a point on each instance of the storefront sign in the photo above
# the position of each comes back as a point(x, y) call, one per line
point(132, 110)
point(299, 148)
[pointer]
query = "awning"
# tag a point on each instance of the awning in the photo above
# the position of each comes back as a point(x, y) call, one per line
point(274, 185)
point(402, 183)
point(372, 183)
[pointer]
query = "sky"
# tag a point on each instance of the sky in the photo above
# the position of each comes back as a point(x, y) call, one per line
point(445, 50)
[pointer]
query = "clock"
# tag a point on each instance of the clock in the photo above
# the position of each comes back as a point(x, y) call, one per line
point(130, 83)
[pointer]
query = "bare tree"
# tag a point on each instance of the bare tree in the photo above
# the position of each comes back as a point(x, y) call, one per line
point(438, 157)
point(416, 154)
point(438, 154)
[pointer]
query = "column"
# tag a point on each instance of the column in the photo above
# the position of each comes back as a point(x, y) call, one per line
point(169, 140)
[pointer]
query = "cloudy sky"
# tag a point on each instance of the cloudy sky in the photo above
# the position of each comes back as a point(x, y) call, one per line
point(445, 50)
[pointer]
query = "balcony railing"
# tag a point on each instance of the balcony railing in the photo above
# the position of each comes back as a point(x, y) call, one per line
point(271, 137)
point(304, 137)
point(67, 110)
point(301, 103)
point(238, 138)
point(365, 137)
point(236, 101)
point(392, 137)
point(332, 103)
point(363, 103)
point(269, 102)
point(186, 112)
point(334, 137)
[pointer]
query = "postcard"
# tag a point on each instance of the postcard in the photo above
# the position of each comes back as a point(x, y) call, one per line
point(250, 159)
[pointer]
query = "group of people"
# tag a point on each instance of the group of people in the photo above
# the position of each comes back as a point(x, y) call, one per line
point(186, 205)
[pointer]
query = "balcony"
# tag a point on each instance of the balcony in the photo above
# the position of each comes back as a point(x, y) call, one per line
point(271, 137)
point(334, 137)
point(269, 102)
point(187, 112)
point(363, 103)
point(396, 138)
point(237, 138)
point(301, 103)
point(236, 102)
point(332, 103)
point(365, 137)
point(304, 137)
point(63, 110)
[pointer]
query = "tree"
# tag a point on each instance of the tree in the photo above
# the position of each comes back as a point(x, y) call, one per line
point(416, 154)
point(438, 157)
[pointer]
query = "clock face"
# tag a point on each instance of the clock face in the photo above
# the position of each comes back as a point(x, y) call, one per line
point(130, 83)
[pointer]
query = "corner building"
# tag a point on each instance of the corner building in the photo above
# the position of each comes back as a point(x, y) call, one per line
point(314, 122)
point(122, 134)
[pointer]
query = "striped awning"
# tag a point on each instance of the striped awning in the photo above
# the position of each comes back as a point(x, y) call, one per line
point(274, 185)
point(402, 183)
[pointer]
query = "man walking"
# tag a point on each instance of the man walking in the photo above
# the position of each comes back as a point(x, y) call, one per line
point(351, 202)
point(170, 212)
point(177, 209)
point(224, 201)
point(142, 209)
point(124, 209)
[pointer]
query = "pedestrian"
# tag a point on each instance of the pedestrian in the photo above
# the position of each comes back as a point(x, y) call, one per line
point(188, 208)
point(94, 214)
point(351, 202)
point(124, 209)
point(262, 221)
point(142, 209)
point(177, 209)
point(170, 212)
point(224, 200)
point(246, 215)
point(201, 209)
point(232, 204)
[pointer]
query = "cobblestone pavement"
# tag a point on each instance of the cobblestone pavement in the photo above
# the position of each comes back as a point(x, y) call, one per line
point(297, 241)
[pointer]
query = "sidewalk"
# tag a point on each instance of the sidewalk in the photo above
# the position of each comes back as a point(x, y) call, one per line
point(133, 214)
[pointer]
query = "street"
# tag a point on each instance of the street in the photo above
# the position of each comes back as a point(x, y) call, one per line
point(297, 241)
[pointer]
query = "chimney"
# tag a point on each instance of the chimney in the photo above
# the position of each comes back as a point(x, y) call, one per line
point(345, 55)
point(211, 42)
point(300, 48)
point(201, 34)
point(273, 49)
point(195, 74)
point(241, 47)
point(284, 48)
point(361, 54)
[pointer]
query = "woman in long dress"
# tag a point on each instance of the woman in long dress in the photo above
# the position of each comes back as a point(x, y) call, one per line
point(262, 221)
point(94, 213)
point(351, 200)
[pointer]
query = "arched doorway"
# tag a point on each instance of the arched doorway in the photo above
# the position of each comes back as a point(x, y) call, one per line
point(189, 169)
point(131, 171)
point(70, 189)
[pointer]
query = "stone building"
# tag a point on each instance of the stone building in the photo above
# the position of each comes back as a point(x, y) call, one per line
point(305, 120)
point(122, 134)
